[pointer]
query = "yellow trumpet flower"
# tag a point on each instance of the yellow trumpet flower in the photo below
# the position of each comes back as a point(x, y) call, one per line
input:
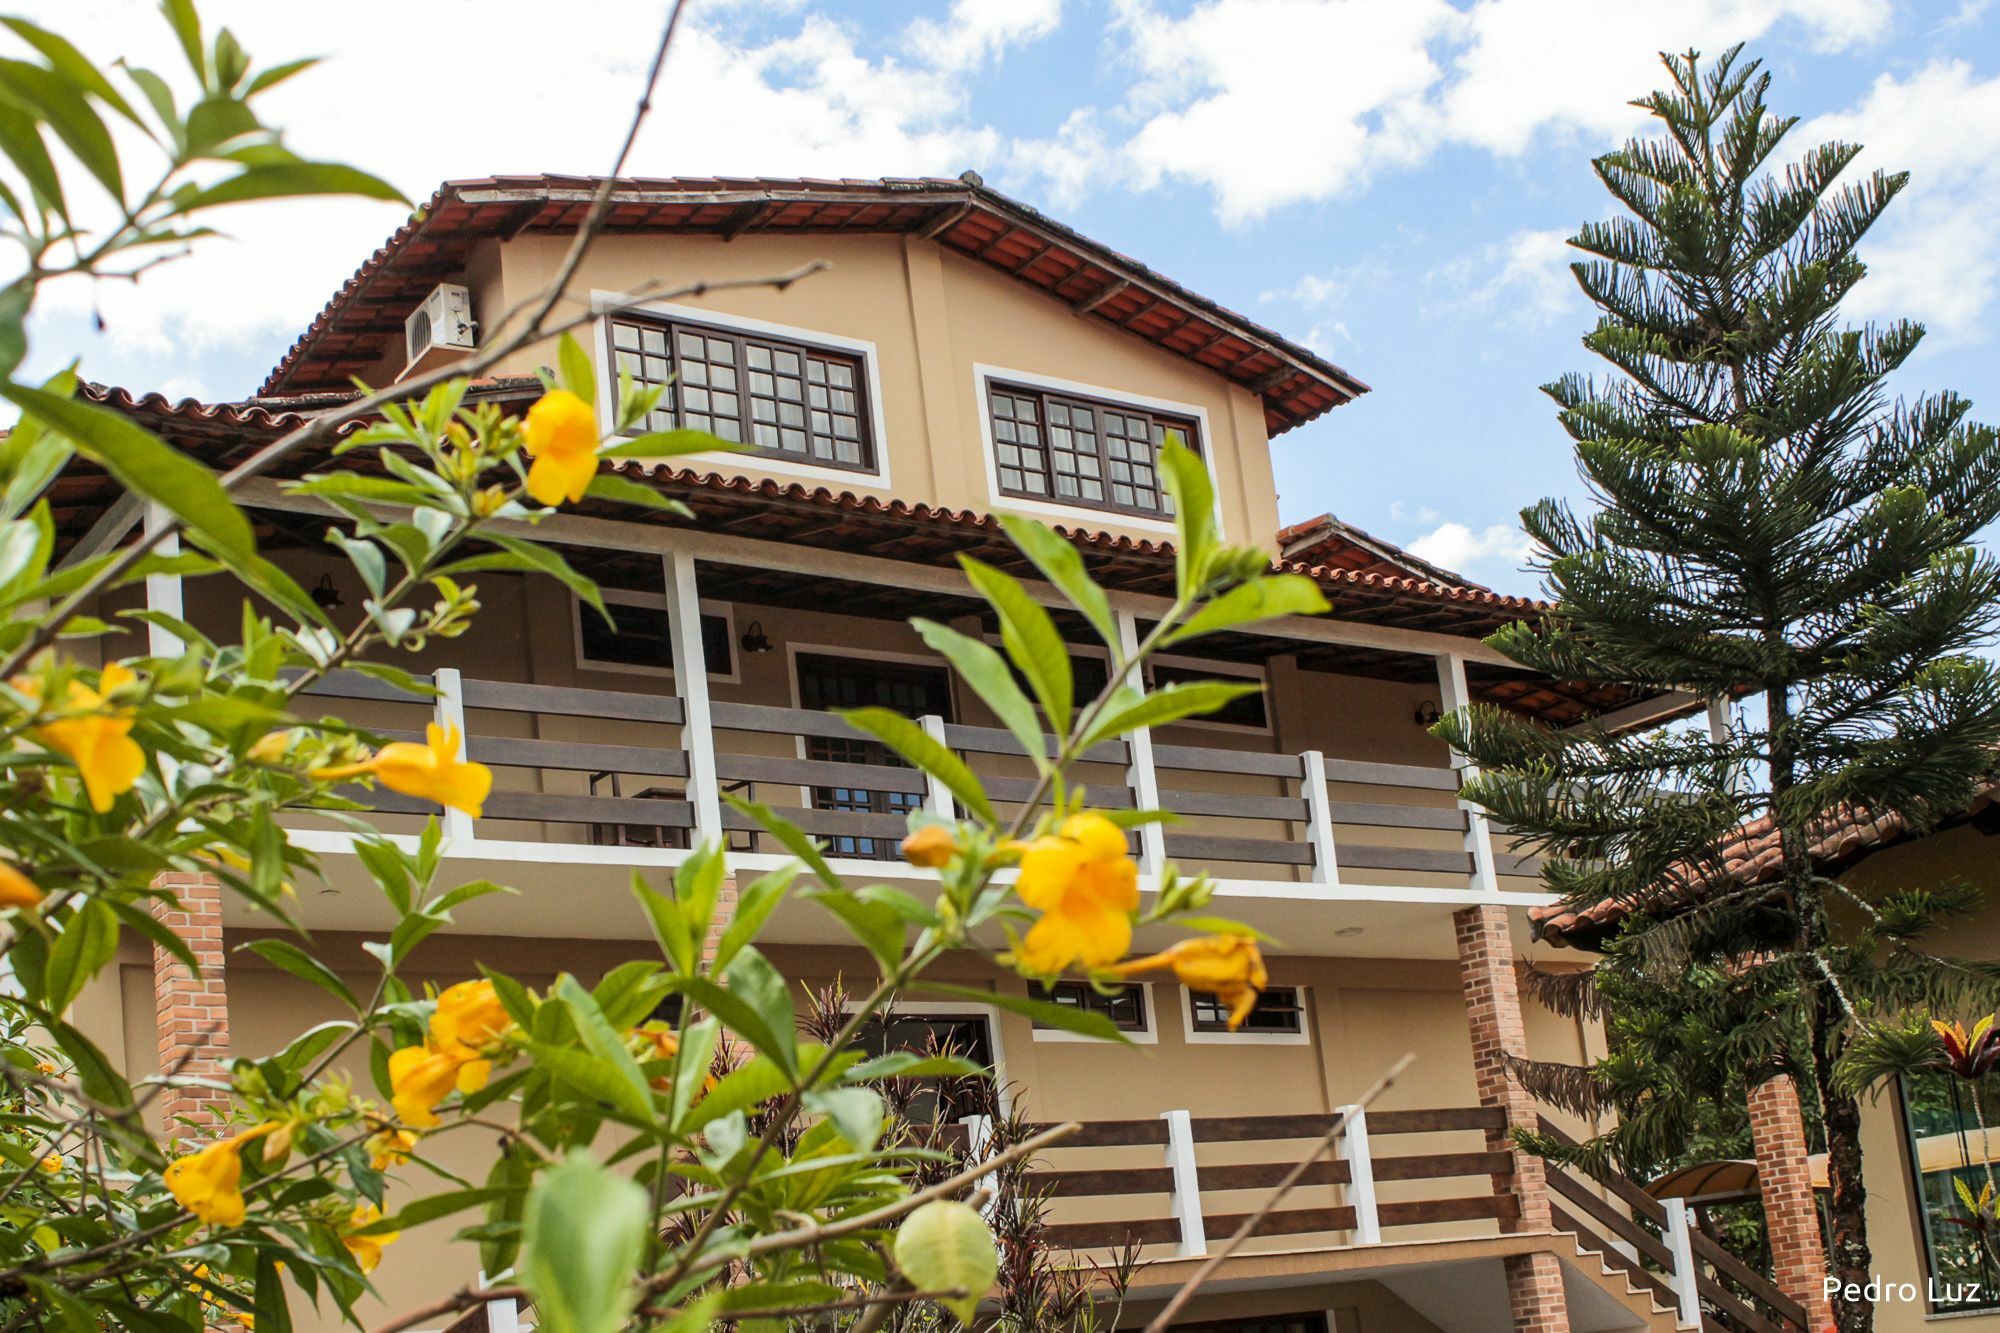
point(209, 1183)
point(97, 738)
point(561, 432)
point(1084, 882)
point(432, 771)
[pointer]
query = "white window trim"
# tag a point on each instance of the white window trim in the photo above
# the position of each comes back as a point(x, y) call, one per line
point(970, 1008)
point(1239, 670)
point(871, 367)
point(1303, 1037)
point(1147, 1036)
point(655, 601)
point(982, 373)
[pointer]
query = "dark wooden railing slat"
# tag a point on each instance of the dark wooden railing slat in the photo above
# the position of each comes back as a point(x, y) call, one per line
point(1201, 759)
point(1234, 805)
point(1257, 851)
point(503, 696)
point(788, 770)
point(1759, 1286)
point(1604, 1215)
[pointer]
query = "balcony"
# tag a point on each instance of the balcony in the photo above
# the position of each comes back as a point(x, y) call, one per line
point(1282, 825)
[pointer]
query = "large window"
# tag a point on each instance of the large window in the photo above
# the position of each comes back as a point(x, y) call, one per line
point(785, 398)
point(641, 636)
point(840, 682)
point(1947, 1160)
point(1080, 451)
point(1125, 1006)
point(1280, 1011)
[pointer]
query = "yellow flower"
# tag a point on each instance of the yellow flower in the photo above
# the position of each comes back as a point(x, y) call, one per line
point(16, 889)
point(52, 1164)
point(209, 1183)
point(97, 739)
point(432, 771)
point(1229, 967)
point(561, 431)
point(270, 748)
point(469, 1018)
point(390, 1147)
point(932, 845)
point(1084, 882)
point(367, 1250)
point(421, 1077)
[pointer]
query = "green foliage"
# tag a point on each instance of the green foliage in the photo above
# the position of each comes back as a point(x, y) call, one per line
point(1767, 525)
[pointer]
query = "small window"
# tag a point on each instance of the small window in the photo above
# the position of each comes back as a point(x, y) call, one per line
point(1244, 711)
point(1125, 1006)
point(1081, 451)
point(641, 637)
point(1280, 1011)
point(778, 397)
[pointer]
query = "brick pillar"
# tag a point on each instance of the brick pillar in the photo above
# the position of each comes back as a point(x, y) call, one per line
point(192, 1011)
point(1493, 1012)
point(725, 911)
point(1791, 1214)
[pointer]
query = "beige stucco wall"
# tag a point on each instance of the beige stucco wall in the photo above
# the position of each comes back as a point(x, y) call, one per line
point(931, 316)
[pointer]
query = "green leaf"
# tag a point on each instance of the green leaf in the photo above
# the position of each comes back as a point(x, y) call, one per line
point(1062, 565)
point(187, 26)
point(878, 926)
point(1030, 637)
point(670, 444)
point(691, 1065)
point(1169, 703)
point(144, 463)
point(945, 1246)
point(754, 904)
point(1259, 599)
point(855, 1112)
point(21, 141)
point(289, 957)
point(619, 490)
point(791, 835)
point(54, 99)
point(584, 1232)
point(574, 370)
point(670, 926)
point(1043, 1012)
point(70, 63)
point(544, 560)
point(607, 1044)
point(987, 673)
point(88, 941)
point(925, 752)
point(289, 180)
point(431, 1207)
point(1187, 481)
point(753, 980)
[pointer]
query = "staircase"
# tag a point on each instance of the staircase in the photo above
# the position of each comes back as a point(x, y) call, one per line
point(1648, 1302)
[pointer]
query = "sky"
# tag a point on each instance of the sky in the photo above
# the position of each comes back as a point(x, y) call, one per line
point(1390, 182)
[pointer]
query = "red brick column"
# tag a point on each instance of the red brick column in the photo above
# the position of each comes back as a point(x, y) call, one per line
point(1791, 1215)
point(1493, 1012)
point(192, 1011)
point(725, 911)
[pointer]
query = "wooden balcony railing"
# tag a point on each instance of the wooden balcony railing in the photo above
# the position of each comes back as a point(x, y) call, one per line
point(1302, 818)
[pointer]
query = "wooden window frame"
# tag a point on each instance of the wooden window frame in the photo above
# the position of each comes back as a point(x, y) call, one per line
point(1216, 1029)
point(1092, 1002)
point(807, 350)
point(1159, 420)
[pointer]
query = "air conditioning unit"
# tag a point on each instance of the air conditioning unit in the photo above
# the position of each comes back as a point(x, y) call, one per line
point(438, 330)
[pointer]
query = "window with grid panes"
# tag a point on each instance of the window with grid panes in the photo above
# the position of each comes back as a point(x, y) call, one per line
point(1125, 1006)
point(1081, 451)
point(1279, 1009)
point(785, 398)
point(838, 682)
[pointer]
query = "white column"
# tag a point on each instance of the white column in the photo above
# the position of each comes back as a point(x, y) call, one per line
point(937, 798)
point(1319, 819)
point(1684, 1279)
point(1140, 776)
point(163, 591)
point(449, 713)
point(1187, 1183)
point(691, 680)
point(1354, 1151)
point(978, 1142)
point(1478, 834)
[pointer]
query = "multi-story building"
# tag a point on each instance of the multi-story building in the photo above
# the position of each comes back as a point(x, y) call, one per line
point(962, 356)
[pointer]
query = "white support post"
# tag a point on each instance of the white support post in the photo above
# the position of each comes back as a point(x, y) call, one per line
point(1360, 1161)
point(978, 1141)
point(1319, 820)
point(1141, 776)
point(1478, 833)
point(504, 1315)
point(449, 713)
point(1685, 1278)
point(691, 680)
point(938, 796)
point(1187, 1183)
point(163, 591)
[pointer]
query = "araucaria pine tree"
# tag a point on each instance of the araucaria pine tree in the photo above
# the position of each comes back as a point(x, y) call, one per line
point(1768, 526)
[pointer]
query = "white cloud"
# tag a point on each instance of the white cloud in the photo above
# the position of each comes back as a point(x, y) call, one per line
point(1271, 102)
point(1935, 255)
point(1523, 281)
point(1503, 547)
point(498, 93)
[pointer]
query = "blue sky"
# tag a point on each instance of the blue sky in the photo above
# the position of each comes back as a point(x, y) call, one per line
point(1388, 180)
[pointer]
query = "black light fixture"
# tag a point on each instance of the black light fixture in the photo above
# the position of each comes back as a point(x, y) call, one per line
point(754, 639)
point(1428, 714)
point(326, 595)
